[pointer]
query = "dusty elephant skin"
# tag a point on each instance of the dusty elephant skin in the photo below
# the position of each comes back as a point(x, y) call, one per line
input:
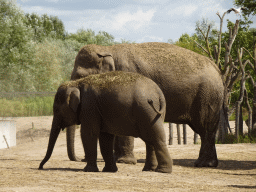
point(191, 83)
point(114, 103)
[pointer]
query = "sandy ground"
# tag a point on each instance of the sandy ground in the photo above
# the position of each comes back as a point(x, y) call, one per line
point(19, 166)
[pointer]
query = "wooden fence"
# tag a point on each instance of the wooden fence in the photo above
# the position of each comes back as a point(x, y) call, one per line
point(171, 136)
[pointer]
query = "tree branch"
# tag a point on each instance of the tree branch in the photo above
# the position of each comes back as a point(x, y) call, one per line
point(202, 47)
point(248, 52)
point(219, 37)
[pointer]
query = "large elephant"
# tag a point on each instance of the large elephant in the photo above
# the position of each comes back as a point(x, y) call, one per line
point(114, 103)
point(191, 83)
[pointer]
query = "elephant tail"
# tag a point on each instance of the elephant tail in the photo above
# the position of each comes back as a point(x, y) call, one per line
point(162, 105)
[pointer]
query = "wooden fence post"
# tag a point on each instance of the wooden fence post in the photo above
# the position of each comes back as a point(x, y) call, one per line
point(184, 134)
point(170, 133)
point(178, 134)
point(195, 138)
point(6, 142)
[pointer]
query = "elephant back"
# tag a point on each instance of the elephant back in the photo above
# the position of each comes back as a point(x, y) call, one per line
point(167, 56)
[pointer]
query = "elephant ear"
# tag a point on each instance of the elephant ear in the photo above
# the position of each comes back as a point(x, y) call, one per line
point(74, 99)
point(107, 63)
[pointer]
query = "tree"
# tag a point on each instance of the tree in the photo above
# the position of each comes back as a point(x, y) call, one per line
point(45, 26)
point(249, 4)
point(16, 46)
point(88, 36)
point(187, 42)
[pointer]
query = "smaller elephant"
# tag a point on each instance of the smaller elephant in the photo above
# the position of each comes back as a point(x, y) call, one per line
point(109, 104)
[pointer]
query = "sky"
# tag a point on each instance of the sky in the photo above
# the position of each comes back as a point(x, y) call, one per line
point(134, 20)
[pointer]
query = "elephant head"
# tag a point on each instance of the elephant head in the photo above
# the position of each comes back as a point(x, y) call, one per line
point(66, 110)
point(91, 60)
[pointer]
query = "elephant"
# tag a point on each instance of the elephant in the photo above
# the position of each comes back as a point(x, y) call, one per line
point(192, 85)
point(109, 104)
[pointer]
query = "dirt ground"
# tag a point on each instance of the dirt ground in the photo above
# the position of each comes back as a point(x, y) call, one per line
point(19, 166)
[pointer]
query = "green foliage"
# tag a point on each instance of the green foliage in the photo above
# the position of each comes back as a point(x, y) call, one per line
point(250, 6)
point(231, 139)
point(45, 26)
point(187, 42)
point(89, 37)
point(243, 39)
point(244, 112)
point(16, 46)
point(26, 106)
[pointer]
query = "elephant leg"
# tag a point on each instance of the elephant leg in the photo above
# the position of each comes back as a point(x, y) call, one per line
point(163, 157)
point(207, 154)
point(126, 145)
point(155, 140)
point(70, 133)
point(207, 131)
point(89, 136)
point(151, 161)
point(106, 148)
point(117, 151)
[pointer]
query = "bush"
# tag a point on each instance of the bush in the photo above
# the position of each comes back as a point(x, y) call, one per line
point(26, 106)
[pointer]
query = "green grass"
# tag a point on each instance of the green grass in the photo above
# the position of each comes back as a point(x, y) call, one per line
point(26, 106)
point(246, 138)
point(233, 116)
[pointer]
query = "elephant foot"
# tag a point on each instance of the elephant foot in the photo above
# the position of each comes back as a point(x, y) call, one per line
point(89, 168)
point(206, 162)
point(150, 166)
point(162, 169)
point(111, 169)
point(127, 159)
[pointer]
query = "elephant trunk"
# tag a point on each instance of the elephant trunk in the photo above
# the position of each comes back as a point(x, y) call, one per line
point(52, 140)
point(70, 132)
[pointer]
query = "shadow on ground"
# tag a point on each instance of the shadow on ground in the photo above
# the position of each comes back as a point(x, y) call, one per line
point(223, 164)
point(243, 186)
point(59, 169)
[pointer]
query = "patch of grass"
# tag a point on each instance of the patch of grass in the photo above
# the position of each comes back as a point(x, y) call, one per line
point(26, 106)
point(245, 115)
point(246, 138)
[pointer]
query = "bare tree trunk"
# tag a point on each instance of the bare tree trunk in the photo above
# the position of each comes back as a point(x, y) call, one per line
point(241, 129)
point(254, 85)
point(238, 105)
point(249, 120)
point(254, 106)
point(222, 131)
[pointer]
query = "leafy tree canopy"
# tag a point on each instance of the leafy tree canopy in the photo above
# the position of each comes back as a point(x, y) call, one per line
point(88, 36)
point(250, 6)
point(45, 26)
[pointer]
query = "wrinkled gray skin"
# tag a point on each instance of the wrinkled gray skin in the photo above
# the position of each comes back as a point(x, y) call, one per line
point(191, 83)
point(128, 106)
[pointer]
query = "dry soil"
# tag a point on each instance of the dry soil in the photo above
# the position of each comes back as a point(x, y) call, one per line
point(19, 166)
